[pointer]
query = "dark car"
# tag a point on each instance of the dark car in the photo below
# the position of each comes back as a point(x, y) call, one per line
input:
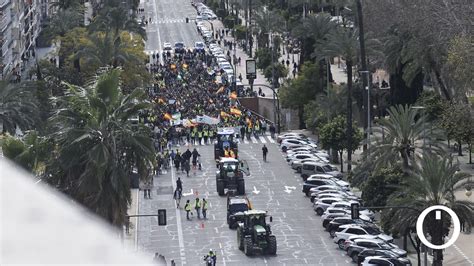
point(377, 244)
point(330, 217)
point(336, 222)
point(381, 252)
point(236, 206)
point(310, 182)
point(179, 47)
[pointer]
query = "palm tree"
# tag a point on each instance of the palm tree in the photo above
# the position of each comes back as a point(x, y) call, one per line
point(98, 147)
point(116, 20)
point(402, 138)
point(433, 182)
point(268, 21)
point(64, 21)
point(343, 42)
point(103, 50)
point(17, 106)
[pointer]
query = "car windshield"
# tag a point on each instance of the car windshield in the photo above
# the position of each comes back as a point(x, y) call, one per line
point(241, 207)
point(179, 45)
point(327, 168)
point(199, 45)
point(385, 246)
point(372, 231)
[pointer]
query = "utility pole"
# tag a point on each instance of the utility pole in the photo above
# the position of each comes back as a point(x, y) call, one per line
point(250, 29)
point(272, 43)
point(363, 64)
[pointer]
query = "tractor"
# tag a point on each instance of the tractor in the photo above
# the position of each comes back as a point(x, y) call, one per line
point(236, 206)
point(231, 175)
point(225, 140)
point(254, 234)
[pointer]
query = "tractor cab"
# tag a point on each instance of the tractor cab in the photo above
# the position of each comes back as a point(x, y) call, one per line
point(254, 234)
point(230, 175)
point(225, 146)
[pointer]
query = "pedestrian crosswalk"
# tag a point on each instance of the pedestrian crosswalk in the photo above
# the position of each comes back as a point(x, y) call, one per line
point(168, 21)
point(253, 140)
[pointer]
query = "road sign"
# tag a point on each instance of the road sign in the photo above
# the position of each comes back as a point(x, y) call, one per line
point(251, 68)
point(161, 217)
point(438, 209)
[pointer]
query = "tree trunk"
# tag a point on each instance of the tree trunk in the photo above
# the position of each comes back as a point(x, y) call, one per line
point(459, 149)
point(470, 153)
point(363, 63)
point(417, 248)
point(442, 86)
point(349, 114)
point(405, 165)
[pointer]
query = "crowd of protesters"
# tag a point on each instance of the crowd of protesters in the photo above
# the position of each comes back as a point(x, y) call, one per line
point(185, 87)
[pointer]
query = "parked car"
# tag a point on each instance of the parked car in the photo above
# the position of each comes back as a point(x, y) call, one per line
point(299, 149)
point(347, 230)
point(167, 47)
point(347, 219)
point(290, 135)
point(333, 194)
point(380, 253)
point(310, 168)
point(362, 210)
point(358, 245)
point(298, 164)
point(289, 143)
point(328, 217)
point(315, 182)
point(322, 204)
point(325, 187)
point(345, 185)
point(385, 261)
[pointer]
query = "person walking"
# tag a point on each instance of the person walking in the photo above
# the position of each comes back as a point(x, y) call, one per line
point(272, 131)
point(264, 151)
point(179, 184)
point(204, 208)
point(177, 197)
point(187, 208)
point(195, 155)
point(197, 206)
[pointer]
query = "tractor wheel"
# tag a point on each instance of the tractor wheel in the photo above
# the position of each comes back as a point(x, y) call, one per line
point(220, 187)
point(284, 149)
point(272, 245)
point(241, 187)
point(332, 233)
point(319, 211)
point(308, 193)
point(248, 246)
point(240, 239)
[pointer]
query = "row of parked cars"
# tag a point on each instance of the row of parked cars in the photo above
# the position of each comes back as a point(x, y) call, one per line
point(332, 198)
point(204, 12)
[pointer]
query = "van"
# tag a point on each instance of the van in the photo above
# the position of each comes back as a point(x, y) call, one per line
point(311, 168)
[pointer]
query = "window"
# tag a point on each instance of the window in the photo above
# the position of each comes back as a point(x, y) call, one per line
point(365, 244)
point(319, 169)
point(308, 167)
point(327, 168)
point(380, 262)
point(355, 231)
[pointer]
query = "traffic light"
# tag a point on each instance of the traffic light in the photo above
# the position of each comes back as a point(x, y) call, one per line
point(355, 211)
point(187, 20)
point(161, 217)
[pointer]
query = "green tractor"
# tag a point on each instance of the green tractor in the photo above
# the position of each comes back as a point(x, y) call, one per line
point(231, 176)
point(254, 234)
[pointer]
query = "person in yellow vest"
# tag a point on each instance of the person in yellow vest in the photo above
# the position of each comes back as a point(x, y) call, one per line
point(231, 153)
point(199, 136)
point(187, 208)
point(205, 133)
point(226, 152)
point(193, 137)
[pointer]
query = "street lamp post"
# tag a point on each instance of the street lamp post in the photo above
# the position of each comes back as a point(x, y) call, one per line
point(366, 74)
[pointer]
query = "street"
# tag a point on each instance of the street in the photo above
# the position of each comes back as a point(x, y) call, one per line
point(272, 187)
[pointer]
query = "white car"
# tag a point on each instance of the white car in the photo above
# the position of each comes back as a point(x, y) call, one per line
point(167, 47)
point(333, 193)
point(289, 143)
point(347, 205)
point(300, 149)
point(324, 188)
point(322, 204)
point(290, 134)
point(382, 261)
point(340, 183)
point(348, 230)
point(297, 164)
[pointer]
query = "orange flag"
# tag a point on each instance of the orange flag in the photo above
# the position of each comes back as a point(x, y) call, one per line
point(160, 100)
point(224, 114)
point(233, 96)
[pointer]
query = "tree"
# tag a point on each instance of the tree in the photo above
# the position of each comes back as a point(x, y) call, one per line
point(334, 136)
point(17, 106)
point(116, 20)
point(94, 122)
point(63, 22)
point(458, 123)
point(381, 184)
point(403, 138)
point(433, 182)
point(301, 90)
point(344, 43)
point(280, 72)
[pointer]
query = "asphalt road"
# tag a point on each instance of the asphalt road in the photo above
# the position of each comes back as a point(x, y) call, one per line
point(168, 23)
point(272, 186)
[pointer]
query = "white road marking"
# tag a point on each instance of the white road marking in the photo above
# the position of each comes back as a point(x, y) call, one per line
point(178, 219)
point(270, 139)
point(255, 190)
point(262, 139)
point(217, 230)
point(246, 141)
point(254, 140)
point(155, 9)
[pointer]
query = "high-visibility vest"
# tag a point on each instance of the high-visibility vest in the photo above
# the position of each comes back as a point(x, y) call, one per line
point(226, 153)
point(193, 134)
point(204, 205)
point(197, 204)
point(205, 133)
point(199, 134)
point(231, 154)
point(187, 207)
